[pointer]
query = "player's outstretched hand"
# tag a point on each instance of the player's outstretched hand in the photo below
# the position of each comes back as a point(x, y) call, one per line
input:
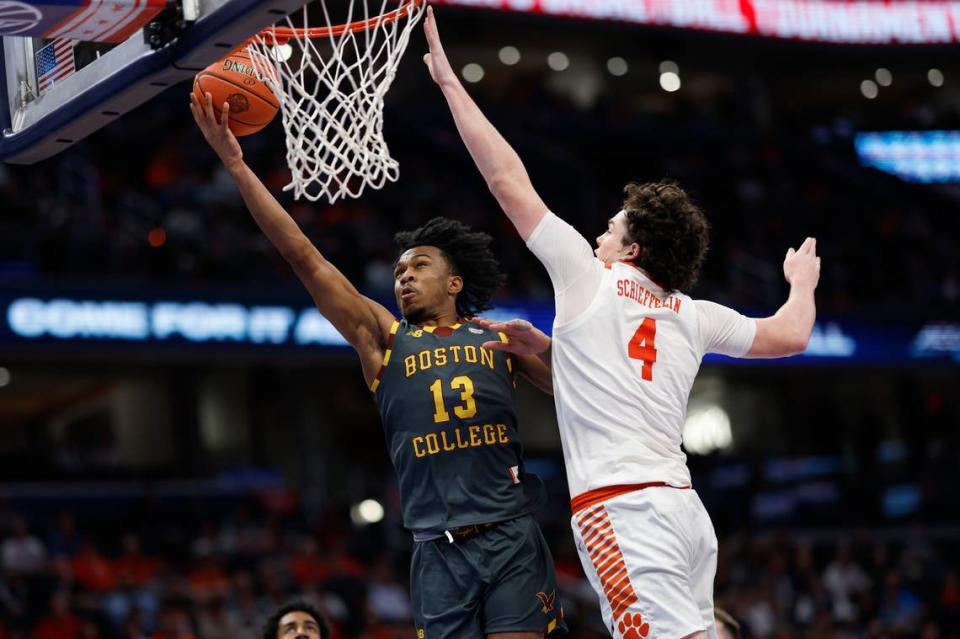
point(801, 267)
point(218, 134)
point(524, 337)
point(436, 61)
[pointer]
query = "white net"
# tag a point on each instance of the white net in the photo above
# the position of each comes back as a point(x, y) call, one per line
point(331, 84)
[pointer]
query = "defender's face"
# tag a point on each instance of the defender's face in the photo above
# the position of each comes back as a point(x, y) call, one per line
point(610, 245)
point(421, 282)
point(298, 625)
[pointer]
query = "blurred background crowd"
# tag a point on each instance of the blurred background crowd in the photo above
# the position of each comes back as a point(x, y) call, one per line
point(219, 577)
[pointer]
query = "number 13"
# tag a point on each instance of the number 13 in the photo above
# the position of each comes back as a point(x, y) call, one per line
point(643, 346)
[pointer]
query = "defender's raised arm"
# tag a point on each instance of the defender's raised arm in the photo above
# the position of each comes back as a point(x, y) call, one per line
point(499, 164)
point(364, 323)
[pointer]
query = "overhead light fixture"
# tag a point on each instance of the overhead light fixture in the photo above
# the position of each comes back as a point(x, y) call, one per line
point(670, 81)
point(509, 55)
point(558, 61)
point(472, 73)
point(617, 66)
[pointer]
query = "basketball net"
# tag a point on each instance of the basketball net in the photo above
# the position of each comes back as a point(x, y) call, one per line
point(331, 88)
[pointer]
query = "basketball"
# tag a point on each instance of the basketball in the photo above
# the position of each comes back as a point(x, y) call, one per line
point(236, 81)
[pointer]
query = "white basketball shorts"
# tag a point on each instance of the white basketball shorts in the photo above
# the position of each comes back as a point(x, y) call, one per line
point(651, 555)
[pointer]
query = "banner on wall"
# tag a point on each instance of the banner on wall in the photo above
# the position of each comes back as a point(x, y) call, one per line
point(44, 323)
point(836, 21)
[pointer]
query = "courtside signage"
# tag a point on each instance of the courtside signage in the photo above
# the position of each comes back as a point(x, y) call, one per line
point(837, 21)
point(59, 320)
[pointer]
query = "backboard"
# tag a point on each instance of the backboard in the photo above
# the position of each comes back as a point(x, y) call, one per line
point(181, 41)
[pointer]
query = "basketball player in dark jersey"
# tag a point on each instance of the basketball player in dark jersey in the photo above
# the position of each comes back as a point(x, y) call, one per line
point(480, 565)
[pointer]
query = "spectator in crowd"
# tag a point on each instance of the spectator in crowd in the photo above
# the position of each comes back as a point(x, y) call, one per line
point(296, 620)
point(23, 553)
point(60, 622)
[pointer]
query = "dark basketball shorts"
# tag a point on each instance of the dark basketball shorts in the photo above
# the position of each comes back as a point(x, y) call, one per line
point(499, 581)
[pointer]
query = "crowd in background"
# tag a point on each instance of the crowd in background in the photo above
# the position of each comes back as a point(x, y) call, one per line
point(767, 173)
point(220, 577)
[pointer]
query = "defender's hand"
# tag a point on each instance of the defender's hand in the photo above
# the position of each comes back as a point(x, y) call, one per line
point(802, 267)
point(524, 337)
point(436, 60)
point(218, 134)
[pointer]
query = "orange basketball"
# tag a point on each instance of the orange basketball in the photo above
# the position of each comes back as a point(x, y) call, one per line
point(234, 80)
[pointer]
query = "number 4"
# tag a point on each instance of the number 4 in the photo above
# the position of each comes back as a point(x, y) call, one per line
point(643, 346)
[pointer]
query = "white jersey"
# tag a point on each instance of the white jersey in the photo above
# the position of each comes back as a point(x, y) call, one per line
point(625, 355)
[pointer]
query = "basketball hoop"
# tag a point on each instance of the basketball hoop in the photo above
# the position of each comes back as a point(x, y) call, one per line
point(331, 84)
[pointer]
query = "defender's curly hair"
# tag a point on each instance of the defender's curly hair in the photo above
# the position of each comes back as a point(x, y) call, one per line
point(271, 629)
point(671, 230)
point(469, 256)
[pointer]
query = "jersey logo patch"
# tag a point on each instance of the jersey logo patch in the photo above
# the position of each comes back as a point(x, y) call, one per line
point(416, 333)
point(547, 601)
point(514, 474)
point(632, 626)
point(475, 331)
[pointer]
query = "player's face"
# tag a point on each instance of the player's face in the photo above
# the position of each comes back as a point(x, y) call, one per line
point(423, 283)
point(298, 625)
point(610, 245)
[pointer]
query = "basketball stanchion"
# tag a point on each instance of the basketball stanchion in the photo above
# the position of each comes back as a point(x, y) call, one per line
point(331, 81)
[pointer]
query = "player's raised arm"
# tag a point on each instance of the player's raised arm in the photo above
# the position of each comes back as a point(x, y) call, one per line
point(362, 322)
point(787, 332)
point(499, 164)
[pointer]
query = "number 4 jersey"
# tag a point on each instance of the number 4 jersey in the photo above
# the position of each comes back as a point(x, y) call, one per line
point(447, 406)
point(625, 355)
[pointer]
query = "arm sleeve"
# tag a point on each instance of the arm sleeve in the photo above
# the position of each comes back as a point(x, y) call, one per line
point(724, 330)
point(573, 268)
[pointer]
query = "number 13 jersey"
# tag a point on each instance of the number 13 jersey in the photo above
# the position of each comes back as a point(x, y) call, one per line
point(625, 354)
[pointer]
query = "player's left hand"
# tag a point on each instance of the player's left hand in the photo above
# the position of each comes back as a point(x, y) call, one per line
point(523, 337)
point(436, 61)
point(801, 267)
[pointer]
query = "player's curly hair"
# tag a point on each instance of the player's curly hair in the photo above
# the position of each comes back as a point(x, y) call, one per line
point(469, 256)
point(271, 626)
point(671, 230)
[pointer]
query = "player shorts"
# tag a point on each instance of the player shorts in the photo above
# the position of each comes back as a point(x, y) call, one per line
point(499, 581)
point(651, 556)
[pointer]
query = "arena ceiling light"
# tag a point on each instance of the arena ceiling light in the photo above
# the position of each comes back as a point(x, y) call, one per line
point(4, 377)
point(669, 66)
point(509, 55)
point(473, 73)
point(282, 52)
point(706, 430)
point(617, 66)
point(883, 77)
point(558, 61)
point(869, 89)
point(368, 511)
point(935, 77)
point(670, 81)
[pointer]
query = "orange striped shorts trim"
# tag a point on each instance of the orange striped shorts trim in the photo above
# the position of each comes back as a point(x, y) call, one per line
point(606, 557)
point(600, 541)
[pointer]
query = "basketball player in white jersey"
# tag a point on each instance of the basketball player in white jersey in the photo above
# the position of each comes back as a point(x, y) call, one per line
point(627, 344)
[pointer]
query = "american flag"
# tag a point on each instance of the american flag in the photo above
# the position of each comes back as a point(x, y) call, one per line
point(55, 61)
